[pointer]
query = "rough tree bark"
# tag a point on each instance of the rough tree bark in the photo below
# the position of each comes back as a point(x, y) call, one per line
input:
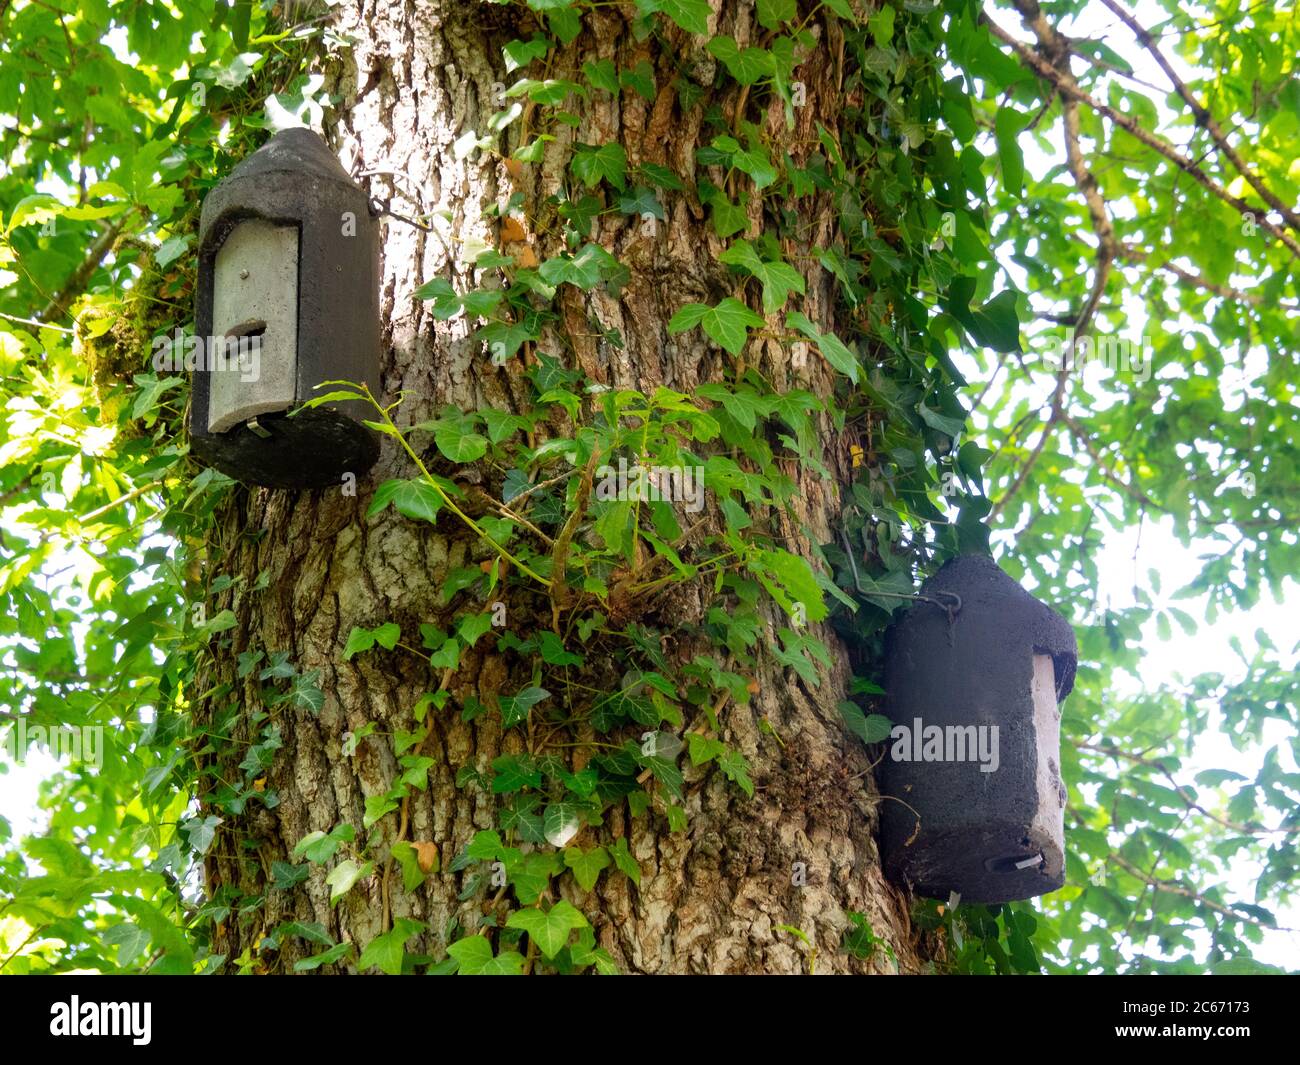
point(419, 74)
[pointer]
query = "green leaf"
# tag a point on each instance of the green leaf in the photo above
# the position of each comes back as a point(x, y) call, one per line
point(733, 764)
point(453, 432)
point(386, 951)
point(306, 692)
point(329, 957)
point(772, 13)
point(553, 652)
point(1006, 127)
point(997, 324)
point(778, 278)
point(409, 860)
point(941, 422)
point(833, 350)
point(513, 773)
point(795, 577)
point(549, 929)
point(474, 957)
point(882, 25)
point(472, 627)
point(728, 323)
point(745, 65)
point(602, 74)
point(386, 636)
point(703, 749)
point(607, 162)
point(561, 822)
point(416, 499)
point(514, 708)
point(690, 15)
point(756, 163)
point(312, 931)
point(586, 865)
point(626, 863)
point(869, 729)
point(344, 875)
point(130, 940)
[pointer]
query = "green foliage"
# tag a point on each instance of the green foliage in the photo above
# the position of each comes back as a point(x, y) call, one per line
point(101, 488)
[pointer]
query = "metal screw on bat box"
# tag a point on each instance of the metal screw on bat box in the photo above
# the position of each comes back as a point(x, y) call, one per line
point(974, 757)
point(287, 298)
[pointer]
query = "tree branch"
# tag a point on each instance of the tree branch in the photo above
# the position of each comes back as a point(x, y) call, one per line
point(1064, 84)
point(1203, 117)
point(80, 277)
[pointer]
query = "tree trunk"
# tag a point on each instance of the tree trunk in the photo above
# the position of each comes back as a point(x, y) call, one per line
point(712, 897)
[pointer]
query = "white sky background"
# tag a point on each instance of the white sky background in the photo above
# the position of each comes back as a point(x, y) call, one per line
point(1166, 662)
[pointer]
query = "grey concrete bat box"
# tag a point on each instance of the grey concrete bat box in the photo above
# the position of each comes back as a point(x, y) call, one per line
point(974, 758)
point(287, 298)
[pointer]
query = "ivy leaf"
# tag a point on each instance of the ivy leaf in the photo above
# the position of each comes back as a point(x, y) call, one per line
point(743, 404)
point(473, 955)
point(453, 432)
point(553, 652)
point(318, 847)
point(306, 692)
point(520, 817)
point(386, 951)
point(702, 749)
point(772, 13)
point(728, 323)
point(593, 164)
point(530, 874)
point(560, 823)
point(602, 74)
point(882, 25)
point(549, 929)
point(328, 957)
point(344, 875)
point(941, 422)
point(584, 952)
point(660, 176)
point(1006, 128)
point(514, 772)
point(874, 728)
point(640, 79)
point(130, 940)
point(519, 54)
point(416, 499)
point(795, 577)
point(626, 863)
point(747, 65)
point(778, 278)
point(584, 270)
point(733, 764)
point(690, 15)
point(586, 865)
point(386, 635)
point(408, 858)
point(447, 656)
point(472, 627)
point(756, 163)
point(502, 425)
point(833, 349)
point(641, 201)
point(312, 931)
point(514, 708)
point(728, 218)
point(486, 846)
point(997, 325)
